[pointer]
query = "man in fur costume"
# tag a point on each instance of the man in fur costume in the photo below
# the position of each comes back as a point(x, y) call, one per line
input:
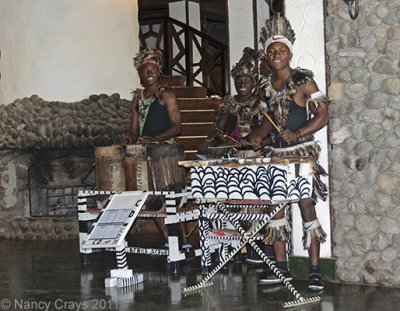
point(155, 115)
point(155, 119)
point(238, 115)
point(296, 110)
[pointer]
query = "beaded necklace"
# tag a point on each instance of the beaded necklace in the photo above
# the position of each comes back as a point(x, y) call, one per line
point(143, 106)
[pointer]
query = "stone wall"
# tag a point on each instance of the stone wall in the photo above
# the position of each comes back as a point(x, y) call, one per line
point(31, 124)
point(363, 58)
point(43, 228)
point(34, 123)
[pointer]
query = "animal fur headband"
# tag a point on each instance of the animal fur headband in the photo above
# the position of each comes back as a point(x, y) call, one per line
point(147, 56)
point(247, 65)
point(277, 29)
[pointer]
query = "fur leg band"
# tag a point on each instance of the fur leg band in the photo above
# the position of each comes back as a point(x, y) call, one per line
point(312, 229)
point(277, 230)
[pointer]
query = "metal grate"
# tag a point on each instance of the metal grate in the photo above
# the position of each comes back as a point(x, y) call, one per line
point(54, 179)
point(62, 200)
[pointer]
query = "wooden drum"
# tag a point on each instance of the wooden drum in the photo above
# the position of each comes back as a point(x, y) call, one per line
point(110, 173)
point(135, 165)
point(154, 167)
point(140, 167)
point(164, 171)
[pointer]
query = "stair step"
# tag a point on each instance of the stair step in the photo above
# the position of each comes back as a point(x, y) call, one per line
point(191, 143)
point(190, 91)
point(198, 103)
point(197, 129)
point(198, 122)
point(204, 115)
point(177, 80)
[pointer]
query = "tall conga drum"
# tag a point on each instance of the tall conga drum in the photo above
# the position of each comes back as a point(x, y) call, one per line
point(164, 171)
point(135, 165)
point(110, 174)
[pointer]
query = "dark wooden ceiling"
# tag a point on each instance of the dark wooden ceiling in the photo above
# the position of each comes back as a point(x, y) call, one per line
point(211, 9)
point(214, 10)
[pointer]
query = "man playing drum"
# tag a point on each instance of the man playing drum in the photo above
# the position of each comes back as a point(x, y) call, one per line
point(156, 120)
point(155, 115)
point(296, 110)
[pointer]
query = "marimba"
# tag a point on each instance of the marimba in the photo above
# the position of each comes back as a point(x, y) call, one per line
point(222, 184)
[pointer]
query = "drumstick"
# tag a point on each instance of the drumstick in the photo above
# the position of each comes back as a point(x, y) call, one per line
point(227, 136)
point(272, 122)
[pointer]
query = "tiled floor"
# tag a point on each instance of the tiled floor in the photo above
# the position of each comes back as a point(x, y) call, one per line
point(48, 275)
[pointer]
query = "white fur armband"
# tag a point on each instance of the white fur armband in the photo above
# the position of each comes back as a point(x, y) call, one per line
point(316, 98)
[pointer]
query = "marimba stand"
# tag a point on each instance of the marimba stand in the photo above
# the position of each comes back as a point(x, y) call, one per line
point(277, 184)
point(113, 221)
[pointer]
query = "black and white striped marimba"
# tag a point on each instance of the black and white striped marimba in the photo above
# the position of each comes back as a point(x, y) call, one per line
point(222, 184)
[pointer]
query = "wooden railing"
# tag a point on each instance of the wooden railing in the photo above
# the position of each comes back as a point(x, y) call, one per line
point(201, 59)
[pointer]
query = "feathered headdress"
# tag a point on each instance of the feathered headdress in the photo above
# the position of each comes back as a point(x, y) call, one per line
point(147, 56)
point(247, 65)
point(277, 29)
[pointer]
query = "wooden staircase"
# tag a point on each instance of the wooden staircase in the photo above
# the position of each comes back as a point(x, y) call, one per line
point(197, 113)
point(198, 117)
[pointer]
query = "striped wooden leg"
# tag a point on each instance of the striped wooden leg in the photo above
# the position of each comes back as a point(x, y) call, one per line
point(299, 299)
point(246, 237)
point(122, 276)
point(173, 239)
point(122, 263)
point(204, 228)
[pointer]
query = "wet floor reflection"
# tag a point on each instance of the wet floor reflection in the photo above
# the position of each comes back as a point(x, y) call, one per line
point(51, 273)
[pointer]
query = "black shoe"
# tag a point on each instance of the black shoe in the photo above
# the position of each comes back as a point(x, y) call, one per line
point(273, 279)
point(254, 259)
point(314, 282)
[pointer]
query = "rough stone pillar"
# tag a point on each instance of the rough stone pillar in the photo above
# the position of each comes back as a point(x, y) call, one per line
point(364, 62)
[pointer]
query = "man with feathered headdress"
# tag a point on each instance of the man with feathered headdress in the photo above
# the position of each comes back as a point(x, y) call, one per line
point(240, 114)
point(155, 115)
point(296, 110)
point(155, 118)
